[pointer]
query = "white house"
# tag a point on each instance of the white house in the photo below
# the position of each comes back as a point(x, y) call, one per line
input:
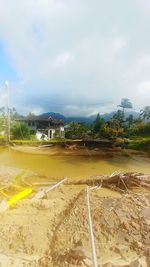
point(45, 127)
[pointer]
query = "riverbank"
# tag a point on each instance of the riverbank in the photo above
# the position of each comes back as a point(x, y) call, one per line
point(135, 143)
point(75, 148)
point(71, 150)
point(54, 231)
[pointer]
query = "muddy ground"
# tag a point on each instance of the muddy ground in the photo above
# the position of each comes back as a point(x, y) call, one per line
point(73, 150)
point(54, 231)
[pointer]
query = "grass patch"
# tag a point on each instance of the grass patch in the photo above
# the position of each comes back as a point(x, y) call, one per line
point(139, 143)
point(41, 142)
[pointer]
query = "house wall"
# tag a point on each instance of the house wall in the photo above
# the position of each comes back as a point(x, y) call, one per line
point(41, 136)
point(58, 132)
point(32, 125)
point(62, 132)
point(50, 131)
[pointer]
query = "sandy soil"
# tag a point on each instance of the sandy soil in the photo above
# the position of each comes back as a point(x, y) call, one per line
point(54, 231)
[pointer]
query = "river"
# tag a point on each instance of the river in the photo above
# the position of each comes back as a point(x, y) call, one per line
point(75, 166)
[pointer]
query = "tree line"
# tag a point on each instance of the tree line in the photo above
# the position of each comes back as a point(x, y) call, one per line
point(118, 126)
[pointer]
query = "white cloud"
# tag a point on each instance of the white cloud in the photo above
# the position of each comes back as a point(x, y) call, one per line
point(143, 93)
point(62, 60)
point(73, 53)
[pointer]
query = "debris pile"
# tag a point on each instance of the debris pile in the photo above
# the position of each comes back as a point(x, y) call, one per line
point(128, 180)
point(118, 180)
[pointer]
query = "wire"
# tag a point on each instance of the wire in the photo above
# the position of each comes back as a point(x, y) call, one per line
point(91, 232)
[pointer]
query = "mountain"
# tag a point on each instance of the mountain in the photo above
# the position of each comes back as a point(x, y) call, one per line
point(108, 116)
point(90, 119)
point(54, 115)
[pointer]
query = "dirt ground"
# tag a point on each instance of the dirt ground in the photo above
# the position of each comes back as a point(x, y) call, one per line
point(54, 231)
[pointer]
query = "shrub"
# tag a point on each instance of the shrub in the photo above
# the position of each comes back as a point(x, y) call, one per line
point(20, 131)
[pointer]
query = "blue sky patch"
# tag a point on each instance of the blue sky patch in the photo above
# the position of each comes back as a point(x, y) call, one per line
point(7, 72)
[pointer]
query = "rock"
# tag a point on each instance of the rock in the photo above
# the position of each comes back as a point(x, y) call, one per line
point(137, 245)
point(125, 226)
point(135, 225)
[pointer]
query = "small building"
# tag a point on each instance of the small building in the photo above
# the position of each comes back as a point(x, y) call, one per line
point(45, 127)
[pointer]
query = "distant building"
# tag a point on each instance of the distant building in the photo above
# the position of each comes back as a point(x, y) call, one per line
point(45, 127)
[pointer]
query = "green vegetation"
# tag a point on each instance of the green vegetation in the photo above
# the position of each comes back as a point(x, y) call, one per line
point(20, 131)
point(138, 144)
point(34, 142)
point(77, 130)
point(124, 131)
point(98, 124)
point(145, 113)
point(125, 104)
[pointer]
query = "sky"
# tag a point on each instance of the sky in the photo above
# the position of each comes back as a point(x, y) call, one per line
point(76, 57)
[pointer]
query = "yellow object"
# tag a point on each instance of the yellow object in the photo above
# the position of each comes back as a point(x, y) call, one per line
point(19, 196)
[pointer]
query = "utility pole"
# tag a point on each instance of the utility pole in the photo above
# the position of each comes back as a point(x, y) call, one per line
point(7, 111)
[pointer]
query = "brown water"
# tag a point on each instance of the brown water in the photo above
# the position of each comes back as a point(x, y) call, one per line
point(74, 166)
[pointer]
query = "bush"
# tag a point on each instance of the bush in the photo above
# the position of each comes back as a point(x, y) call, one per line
point(20, 131)
point(139, 129)
point(77, 130)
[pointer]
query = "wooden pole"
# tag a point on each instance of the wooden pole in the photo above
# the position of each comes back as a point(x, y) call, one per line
point(8, 111)
point(42, 193)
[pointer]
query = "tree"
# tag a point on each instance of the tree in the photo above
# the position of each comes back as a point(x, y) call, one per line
point(30, 115)
point(98, 124)
point(130, 120)
point(106, 131)
point(139, 128)
point(76, 130)
point(14, 114)
point(125, 103)
point(2, 120)
point(116, 127)
point(145, 113)
point(119, 116)
point(2, 111)
point(20, 130)
point(111, 129)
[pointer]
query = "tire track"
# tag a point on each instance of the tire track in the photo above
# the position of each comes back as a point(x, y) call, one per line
point(63, 216)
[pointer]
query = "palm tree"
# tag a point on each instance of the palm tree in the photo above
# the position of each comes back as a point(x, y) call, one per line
point(145, 113)
point(125, 103)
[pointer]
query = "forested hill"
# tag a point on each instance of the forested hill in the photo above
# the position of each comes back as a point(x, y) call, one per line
point(90, 119)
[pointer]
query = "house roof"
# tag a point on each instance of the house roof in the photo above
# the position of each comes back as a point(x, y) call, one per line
point(44, 118)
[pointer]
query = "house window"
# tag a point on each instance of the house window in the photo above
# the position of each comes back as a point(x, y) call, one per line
point(31, 123)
